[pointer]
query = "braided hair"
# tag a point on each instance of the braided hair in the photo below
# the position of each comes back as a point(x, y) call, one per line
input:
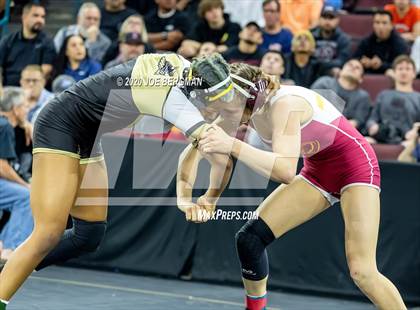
point(211, 69)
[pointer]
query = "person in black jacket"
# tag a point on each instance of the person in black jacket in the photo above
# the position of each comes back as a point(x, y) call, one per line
point(333, 46)
point(377, 51)
point(248, 49)
point(214, 26)
point(114, 13)
point(142, 7)
point(166, 26)
point(29, 46)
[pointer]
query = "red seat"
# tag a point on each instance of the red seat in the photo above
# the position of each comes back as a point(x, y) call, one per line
point(416, 85)
point(372, 4)
point(375, 83)
point(387, 151)
point(356, 26)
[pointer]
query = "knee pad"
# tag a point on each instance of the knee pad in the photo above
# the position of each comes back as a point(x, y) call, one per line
point(83, 238)
point(86, 236)
point(251, 243)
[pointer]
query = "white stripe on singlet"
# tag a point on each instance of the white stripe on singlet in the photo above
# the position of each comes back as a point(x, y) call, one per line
point(360, 145)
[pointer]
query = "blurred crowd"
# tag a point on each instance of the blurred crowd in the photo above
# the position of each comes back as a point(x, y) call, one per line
point(299, 41)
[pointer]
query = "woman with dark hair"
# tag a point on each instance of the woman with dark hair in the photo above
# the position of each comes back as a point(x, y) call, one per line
point(67, 150)
point(73, 59)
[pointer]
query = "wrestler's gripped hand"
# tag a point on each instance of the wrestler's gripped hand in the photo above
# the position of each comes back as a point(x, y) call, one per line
point(216, 140)
point(193, 212)
point(207, 203)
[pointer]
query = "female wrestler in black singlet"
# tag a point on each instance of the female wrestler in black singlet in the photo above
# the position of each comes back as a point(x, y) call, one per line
point(67, 149)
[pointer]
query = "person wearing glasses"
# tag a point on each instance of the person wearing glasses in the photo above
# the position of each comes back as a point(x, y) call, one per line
point(32, 81)
point(275, 36)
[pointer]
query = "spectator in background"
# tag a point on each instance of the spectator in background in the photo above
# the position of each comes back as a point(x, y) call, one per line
point(273, 63)
point(275, 37)
point(142, 7)
point(301, 67)
point(28, 46)
point(333, 46)
point(23, 143)
point(23, 133)
point(206, 49)
point(248, 50)
point(349, 5)
point(406, 19)
point(298, 15)
point(133, 24)
point(14, 193)
point(32, 82)
point(244, 11)
point(347, 87)
point(336, 4)
point(377, 51)
point(214, 26)
point(411, 153)
point(396, 110)
point(166, 26)
point(190, 8)
point(114, 13)
point(415, 54)
point(73, 59)
point(131, 47)
point(60, 84)
point(88, 21)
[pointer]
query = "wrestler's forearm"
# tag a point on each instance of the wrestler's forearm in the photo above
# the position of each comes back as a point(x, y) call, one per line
point(221, 170)
point(187, 173)
point(278, 167)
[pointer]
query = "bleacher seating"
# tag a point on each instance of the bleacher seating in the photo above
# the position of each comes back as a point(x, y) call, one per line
point(387, 151)
point(375, 83)
point(356, 26)
point(367, 6)
point(417, 85)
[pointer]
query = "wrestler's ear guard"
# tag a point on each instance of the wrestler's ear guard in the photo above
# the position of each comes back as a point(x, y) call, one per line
point(256, 96)
point(223, 91)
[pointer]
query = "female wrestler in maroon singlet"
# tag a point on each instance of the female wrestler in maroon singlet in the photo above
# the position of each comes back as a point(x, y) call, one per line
point(339, 165)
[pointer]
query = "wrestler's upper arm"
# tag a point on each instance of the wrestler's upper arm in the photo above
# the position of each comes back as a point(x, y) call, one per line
point(287, 114)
